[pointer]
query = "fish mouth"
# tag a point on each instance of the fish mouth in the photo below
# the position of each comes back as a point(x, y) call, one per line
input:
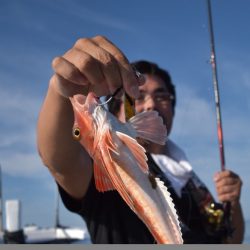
point(92, 101)
point(79, 99)
point(92, 98)
point(82, 99)
point(84, 103)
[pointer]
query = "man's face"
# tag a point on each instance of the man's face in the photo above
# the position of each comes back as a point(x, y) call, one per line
point(155, 96)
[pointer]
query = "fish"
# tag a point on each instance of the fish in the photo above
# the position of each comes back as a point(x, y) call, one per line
point(120, 162)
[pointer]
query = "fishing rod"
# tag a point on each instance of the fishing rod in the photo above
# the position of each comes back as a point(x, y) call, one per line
point(226, 205)
point(216, 88)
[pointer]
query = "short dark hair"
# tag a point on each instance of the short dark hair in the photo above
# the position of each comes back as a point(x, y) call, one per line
point(150, 68)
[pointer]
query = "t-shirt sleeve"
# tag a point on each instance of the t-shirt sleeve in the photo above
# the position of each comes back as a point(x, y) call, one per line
point(72, 204)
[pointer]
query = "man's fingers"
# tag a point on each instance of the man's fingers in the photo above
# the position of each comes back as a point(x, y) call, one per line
point(229, 195)
point(224, 175)
point(228, 187)
point(66, 88)
point(86, 64)
point(98, 63)
point(227, 181)
point(68, 71)
point(129, 80)
point(108, 65)
point(225, 189)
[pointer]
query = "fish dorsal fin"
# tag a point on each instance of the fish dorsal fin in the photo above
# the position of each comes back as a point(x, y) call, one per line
point(149, 125)
point(102, 181)
point(172, 216)
point(136, 149)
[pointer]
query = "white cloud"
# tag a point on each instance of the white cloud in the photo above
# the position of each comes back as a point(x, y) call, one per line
point(16, 107)
point(18, 134)
point(18, 113)
point(23, 165)
point(194, 115)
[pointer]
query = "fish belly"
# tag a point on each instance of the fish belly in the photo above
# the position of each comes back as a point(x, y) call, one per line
point(147, 203)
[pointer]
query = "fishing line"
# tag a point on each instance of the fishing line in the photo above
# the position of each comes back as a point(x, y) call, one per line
point(140, 78)
point(111, 97)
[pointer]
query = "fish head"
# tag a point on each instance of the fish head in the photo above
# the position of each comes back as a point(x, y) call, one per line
point(84, 107)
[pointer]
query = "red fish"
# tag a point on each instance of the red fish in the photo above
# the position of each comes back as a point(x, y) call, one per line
point(120, 163)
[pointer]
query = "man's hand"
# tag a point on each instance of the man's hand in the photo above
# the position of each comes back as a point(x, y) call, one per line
point(228, 187)
point(93, 64)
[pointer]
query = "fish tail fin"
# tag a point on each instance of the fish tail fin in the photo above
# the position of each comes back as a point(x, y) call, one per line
point(149, 126)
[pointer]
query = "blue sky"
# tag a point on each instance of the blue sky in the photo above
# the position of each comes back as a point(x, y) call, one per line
point(172, 33)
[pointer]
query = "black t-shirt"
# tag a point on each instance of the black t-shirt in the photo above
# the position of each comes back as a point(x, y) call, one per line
point(110, 220)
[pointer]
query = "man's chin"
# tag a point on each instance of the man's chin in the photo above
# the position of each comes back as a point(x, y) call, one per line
point(143, 142)
point(149, 146)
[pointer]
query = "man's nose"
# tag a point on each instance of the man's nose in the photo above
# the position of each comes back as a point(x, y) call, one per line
point(149, 103)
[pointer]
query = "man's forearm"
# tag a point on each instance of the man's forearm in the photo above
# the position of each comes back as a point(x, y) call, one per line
point(55, 143)
point(237, 225)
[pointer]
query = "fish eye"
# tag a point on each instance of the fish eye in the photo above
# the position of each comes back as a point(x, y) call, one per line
point(77, 134)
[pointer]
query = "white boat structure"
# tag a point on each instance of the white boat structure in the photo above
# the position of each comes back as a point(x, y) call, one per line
point(36, 235)
point(13, 233)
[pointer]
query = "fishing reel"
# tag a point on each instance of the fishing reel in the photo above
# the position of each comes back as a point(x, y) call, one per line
point(214, 213)
point(219, 220)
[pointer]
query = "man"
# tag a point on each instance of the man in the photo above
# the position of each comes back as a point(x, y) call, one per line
point(98, 65)
point(192, 199)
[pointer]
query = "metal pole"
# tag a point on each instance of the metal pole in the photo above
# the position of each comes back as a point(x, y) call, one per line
point(216, 88)
point(57, 223)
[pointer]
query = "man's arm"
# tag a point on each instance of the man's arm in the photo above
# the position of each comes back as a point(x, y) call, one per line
point(67, 161)
point(237, 224)
point(93, 64)
point(228, 187)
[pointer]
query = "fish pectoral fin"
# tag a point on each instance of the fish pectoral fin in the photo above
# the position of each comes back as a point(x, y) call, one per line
point(149, 126)
point(136, 149)
point(110, 154)
point(102, 181)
